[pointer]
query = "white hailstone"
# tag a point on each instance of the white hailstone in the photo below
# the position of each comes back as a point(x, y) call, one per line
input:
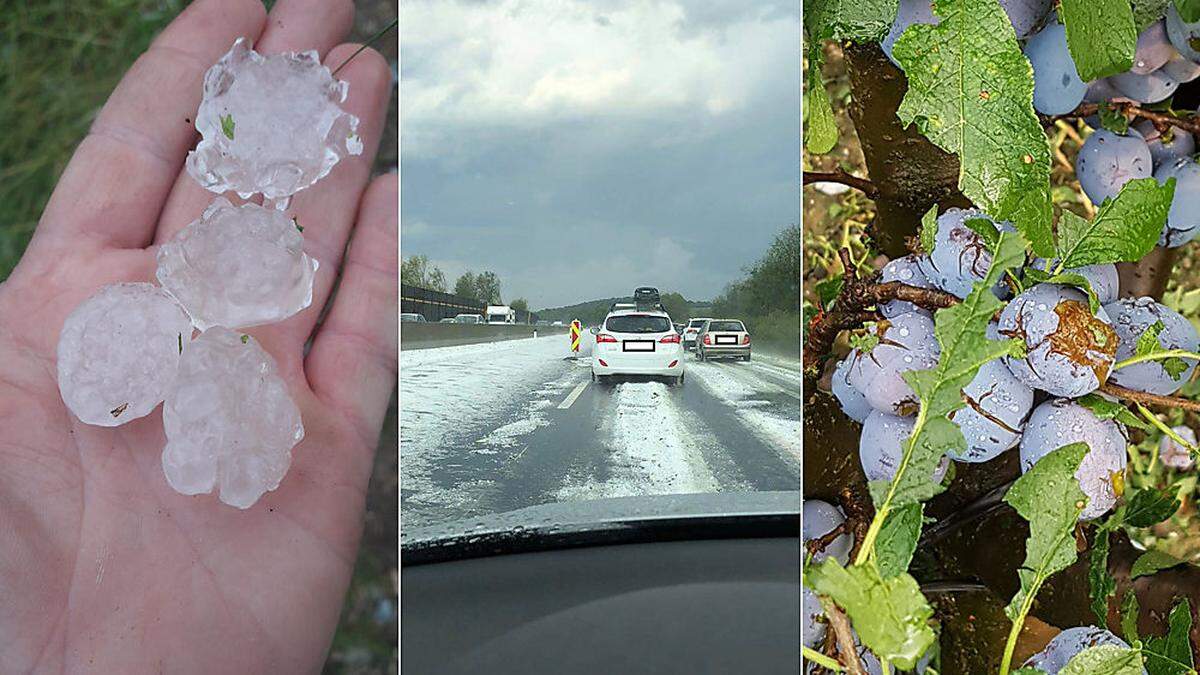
point(229, 420)
point(238, 266)
point(271, 124)
point(118, 352)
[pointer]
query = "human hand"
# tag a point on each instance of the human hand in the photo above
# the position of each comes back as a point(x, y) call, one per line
point(103, 567)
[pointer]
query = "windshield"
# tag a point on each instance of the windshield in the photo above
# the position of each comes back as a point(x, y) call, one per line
point(624, 150)
point(714, 326)
point(638, 323)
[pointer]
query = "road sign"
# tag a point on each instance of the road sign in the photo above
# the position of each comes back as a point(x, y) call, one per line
point(575, 328)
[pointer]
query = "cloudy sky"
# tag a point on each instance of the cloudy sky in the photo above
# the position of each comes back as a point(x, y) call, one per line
point(582, 148)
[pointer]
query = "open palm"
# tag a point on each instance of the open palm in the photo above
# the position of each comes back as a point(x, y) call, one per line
point(103, 568)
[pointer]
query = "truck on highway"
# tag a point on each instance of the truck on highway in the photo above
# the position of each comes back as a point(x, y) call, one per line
point(497, 314)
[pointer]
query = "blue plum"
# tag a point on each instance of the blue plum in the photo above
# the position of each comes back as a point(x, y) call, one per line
point(1154, 49)
point(1068, 643)
point(1181, 69)
point(1057, 88)
point(907, 13)
point(1148, 88)
point(1105, 281)
point(1183, 34)
point(1107, 161)
point(906, 342)
point(854, 404)
point(906, 270)
point(960, 257)
point(1060, 422)
point(818, 519)
point(1183, 219)
point(881, 446)
point(814, 628)
point(1131, 317)
point(1168, 146)
point(1069, 351)
point(1026, 16)
point(1175, 455)
point(997, 403)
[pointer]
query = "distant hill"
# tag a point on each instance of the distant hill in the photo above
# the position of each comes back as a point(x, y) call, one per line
point(593, 311)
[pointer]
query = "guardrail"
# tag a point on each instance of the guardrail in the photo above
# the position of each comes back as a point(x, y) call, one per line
point(427, 335)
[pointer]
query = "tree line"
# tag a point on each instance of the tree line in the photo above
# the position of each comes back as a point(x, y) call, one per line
point(417, 270)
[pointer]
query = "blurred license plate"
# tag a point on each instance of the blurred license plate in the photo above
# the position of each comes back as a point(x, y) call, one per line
point(727, 339)
point(639, 345)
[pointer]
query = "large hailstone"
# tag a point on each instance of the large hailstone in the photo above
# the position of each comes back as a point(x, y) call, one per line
point(271, 124)
point(229, 420)
point(118, 352)
point(238, 266)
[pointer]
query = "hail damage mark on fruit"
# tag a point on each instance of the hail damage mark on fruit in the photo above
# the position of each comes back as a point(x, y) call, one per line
point(1083, 338)
point(977, 406)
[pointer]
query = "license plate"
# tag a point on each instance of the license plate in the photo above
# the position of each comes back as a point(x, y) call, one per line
point(727, 339)
point(639, 345)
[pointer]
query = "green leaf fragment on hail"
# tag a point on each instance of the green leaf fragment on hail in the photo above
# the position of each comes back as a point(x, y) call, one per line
point(970, 91)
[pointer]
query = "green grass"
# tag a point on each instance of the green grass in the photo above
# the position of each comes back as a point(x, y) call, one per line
point(59, 61)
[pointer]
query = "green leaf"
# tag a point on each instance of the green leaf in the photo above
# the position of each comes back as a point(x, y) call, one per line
point(828, 289)
point(1146, 12)
point(855, 20)
point(890, 616)
point(1125, 229)
point(227, 125)
point(864, 341)
point(1105, 660)
point(1112, 410)
point(1152, 561)
point(1148, 345)
point(1150, 507)
point(1189, 10)
point(245, 339)
point(929, 228)
point(1100, 583)
point(1129, 616)
point(1112, 120)
point(898, 539)
point(1029, 670)
point(820, 127)
point(1049, 497)
point(985, 229)
point(970, 91)
point(1172, 654)
point(1101, 36)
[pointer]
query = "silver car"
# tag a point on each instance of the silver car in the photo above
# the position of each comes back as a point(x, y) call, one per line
point(723, 338)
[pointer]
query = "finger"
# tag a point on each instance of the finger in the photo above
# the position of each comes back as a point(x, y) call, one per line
point(113, 190)
point(352, 364)
point(293, 25)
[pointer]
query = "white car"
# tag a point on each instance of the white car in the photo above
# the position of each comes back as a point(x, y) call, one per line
point(632, 342)
point(689, 333)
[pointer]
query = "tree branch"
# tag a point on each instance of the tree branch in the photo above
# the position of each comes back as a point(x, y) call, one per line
point(1131, 109)
point(840, 625)
point(1144, 398)
point(861, 184)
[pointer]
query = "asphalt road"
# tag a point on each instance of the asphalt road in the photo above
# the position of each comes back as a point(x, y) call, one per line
point(495, 427)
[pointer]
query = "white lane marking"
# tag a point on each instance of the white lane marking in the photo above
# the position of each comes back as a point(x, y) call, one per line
point(573, 395)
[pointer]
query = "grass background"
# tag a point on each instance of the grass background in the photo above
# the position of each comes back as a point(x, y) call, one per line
point(59, 60)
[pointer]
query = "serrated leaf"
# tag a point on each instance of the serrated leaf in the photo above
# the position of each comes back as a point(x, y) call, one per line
point(1125, 228)
point(1049, 497)
point(898, 539)
point(1189, 10)
point(820, 127)
point(929, 228)
point(1101, 36)
point(855, 20)
point(828, 289)
point(1149, 506)
point(1146, 12)
point(1105, 660)
point(1101, 585)
point(1112, 119)
point(1078, 281)
point(1129, 616)
point(890, 615)
point(1112, 410)
point(970, 91)
point(1172, 653)
point(1152, 561)
point(1148, 345)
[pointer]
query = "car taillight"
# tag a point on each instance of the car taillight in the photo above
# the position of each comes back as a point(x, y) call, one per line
point(746, 339)
point(604, 337)
point(670, 339)
point(707, 339)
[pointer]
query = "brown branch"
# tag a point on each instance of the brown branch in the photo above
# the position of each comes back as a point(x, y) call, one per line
point(822, 542)
point(850, 308)
point(847, 649)
point(1161, 120)
point(1157, 400)
point(861, 184)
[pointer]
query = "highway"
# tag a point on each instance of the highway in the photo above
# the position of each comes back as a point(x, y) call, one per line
point(488, 428)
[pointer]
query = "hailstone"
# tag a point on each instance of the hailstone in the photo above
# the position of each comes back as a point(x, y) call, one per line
point(118, 352)
point(238, 266)
point(271, 124)
point(229, 420)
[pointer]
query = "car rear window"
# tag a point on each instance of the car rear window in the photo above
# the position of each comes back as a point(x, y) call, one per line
point(695, 323)
point(726, 325)
point(638, 323)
